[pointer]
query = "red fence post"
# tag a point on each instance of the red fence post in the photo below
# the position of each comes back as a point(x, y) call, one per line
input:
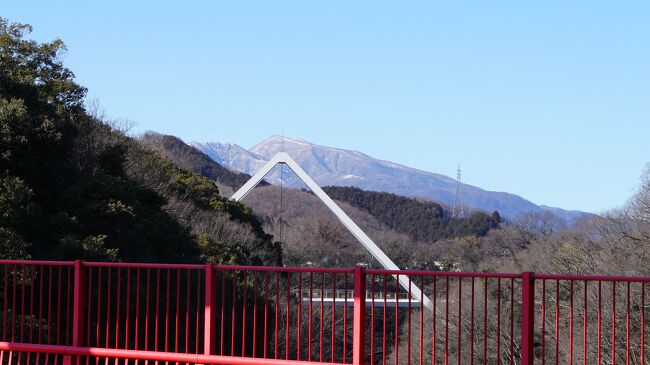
point(78, 310)
point(210, 328)
point(359, 329)
point(527, 318)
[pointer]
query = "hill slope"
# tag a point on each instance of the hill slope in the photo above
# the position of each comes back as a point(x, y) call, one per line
point(193, 160)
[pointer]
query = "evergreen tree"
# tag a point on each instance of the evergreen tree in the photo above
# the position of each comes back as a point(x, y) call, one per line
point(72, 186)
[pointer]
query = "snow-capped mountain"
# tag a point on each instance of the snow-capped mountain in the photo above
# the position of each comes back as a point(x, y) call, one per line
point(334, 166)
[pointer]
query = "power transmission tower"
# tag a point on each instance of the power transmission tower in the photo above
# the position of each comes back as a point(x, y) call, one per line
point(457, 210)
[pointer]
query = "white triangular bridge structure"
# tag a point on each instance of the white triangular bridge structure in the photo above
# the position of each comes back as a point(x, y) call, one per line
point(283, 158)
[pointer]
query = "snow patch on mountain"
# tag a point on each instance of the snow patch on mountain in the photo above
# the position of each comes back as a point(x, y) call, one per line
point(352, 177)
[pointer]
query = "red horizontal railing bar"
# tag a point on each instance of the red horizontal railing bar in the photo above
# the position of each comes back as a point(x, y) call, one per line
point(445, 273)
point(639, 279)
point(510, 275)
point(146, 265)
point(36, 262)
point(142, 265)
point(279, 268)
point(147, 355)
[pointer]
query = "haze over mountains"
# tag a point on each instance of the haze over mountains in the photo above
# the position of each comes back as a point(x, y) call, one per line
point(340, 167)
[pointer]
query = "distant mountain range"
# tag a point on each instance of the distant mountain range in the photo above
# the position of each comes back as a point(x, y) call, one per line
point(340, 167)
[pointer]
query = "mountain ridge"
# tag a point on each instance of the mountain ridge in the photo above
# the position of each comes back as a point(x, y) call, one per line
point(342, 167)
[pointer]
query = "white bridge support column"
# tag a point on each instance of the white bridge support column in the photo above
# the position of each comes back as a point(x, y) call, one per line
point(360, 235)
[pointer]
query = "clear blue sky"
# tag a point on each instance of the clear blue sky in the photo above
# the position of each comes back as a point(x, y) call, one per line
point(549, 100)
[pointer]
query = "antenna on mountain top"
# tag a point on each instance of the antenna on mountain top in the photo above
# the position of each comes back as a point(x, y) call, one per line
point(457, 210)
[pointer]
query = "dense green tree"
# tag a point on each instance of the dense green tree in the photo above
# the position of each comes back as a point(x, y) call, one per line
point(422, 220)
point(74, 186)
point(496, 218)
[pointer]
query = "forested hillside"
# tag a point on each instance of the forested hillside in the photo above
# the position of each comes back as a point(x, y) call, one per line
point(422, 220)
point(72, 185)
point(193, 160)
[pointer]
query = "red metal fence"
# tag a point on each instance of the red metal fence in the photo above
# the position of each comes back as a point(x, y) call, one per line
point(91, 313)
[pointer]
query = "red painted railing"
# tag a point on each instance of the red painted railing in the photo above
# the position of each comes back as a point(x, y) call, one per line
point(91, 313)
